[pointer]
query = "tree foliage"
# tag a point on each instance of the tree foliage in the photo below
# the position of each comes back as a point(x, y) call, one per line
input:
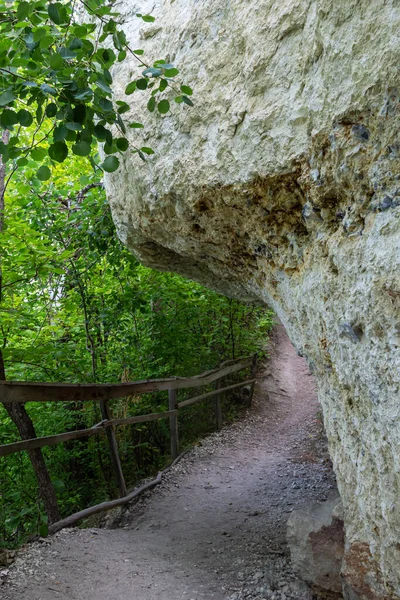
point(55, 83)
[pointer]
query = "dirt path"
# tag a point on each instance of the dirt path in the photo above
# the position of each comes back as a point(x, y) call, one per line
point(215, 528)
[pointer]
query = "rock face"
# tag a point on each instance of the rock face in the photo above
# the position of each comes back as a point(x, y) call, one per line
point(282, 185)
point(315, 536)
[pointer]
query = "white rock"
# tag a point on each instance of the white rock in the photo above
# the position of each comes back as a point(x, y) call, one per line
point(282, 185)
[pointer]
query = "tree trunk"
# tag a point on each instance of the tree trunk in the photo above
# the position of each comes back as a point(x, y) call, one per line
point(17, 412)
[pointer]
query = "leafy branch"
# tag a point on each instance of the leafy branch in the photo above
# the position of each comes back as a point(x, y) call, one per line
point(59, 72)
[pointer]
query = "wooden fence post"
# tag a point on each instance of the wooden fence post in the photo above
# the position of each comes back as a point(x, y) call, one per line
point(253, 375)
point(173, 423)
point(112, 442)
point(217, 405)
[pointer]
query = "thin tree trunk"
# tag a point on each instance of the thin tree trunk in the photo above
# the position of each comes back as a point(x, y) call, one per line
point(17, 412)
point(22, 420)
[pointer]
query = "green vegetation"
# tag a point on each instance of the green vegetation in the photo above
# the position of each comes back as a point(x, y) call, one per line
point(55, 84)
point(77, 307)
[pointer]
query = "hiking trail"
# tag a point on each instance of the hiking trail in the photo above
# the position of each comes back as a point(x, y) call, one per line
point(215, 528)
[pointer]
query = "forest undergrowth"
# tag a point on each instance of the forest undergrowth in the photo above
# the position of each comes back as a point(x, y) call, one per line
point(77, 307)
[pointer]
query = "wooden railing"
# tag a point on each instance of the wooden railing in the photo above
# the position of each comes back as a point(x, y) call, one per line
point(13, 391)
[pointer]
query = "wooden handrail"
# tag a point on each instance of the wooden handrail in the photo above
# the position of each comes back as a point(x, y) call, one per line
point(140, 418)
point(50, 440)
point(31, 389)
point(16, 391)
point(216, 392)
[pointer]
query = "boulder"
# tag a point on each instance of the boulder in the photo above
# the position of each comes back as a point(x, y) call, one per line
point(315, 535)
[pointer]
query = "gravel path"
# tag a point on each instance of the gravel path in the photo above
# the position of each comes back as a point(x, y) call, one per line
point(215, 528)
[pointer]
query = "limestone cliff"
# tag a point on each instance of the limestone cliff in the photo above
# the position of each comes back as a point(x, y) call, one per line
point(283, 185)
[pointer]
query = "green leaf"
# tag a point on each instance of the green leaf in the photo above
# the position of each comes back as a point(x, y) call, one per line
point(57, 13)
point(39, 33)
point(44, 529)
point(121, 55)
point(24, 117)
point(186, 90)
point(86, 136)
point(83, 94)
point(56, 62)
point(58, 151)
point(93, 164)
point(80, 31)
point(110, 164)
point(79, 113)
point(29, 41)
point(30, 84)
point(107, 56)
point(67, 53)
point(130, 88)
point(43, 174)
point(46, 42)
point(72, 126)
point(107, 76)
point(75, 44)
point(138, 52)
point(4, 151)
point(163, 85)
point(58, 484)
point(103, 86)
point(179, 99)
point(106, 104)
point(38, 153)
point(116, 41)
point(71, 136)
point(123, 107)
point(23, 11)
point(8, 118)
point(60, 133)
point(136, 125)
point(147, 150)
point(81, 148)
point(152, 71)
point(100, 132)
point(51, 110)
point(39, 113)
point(141, 84)
point(121, 124)
point(146, 18)
point(110, 148)
point(163, 107)
point(187, 101)
point(171, 72)
point(151, 105)
point(122, 144)
point(6, 98)
point(48, 89)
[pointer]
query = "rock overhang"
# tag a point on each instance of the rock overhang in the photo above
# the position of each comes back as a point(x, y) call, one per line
point(282, 185)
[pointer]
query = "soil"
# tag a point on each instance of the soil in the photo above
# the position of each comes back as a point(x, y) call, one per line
point(215, 528)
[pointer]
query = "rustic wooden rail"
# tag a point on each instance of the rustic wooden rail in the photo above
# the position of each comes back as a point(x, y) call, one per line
point(14, 391)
